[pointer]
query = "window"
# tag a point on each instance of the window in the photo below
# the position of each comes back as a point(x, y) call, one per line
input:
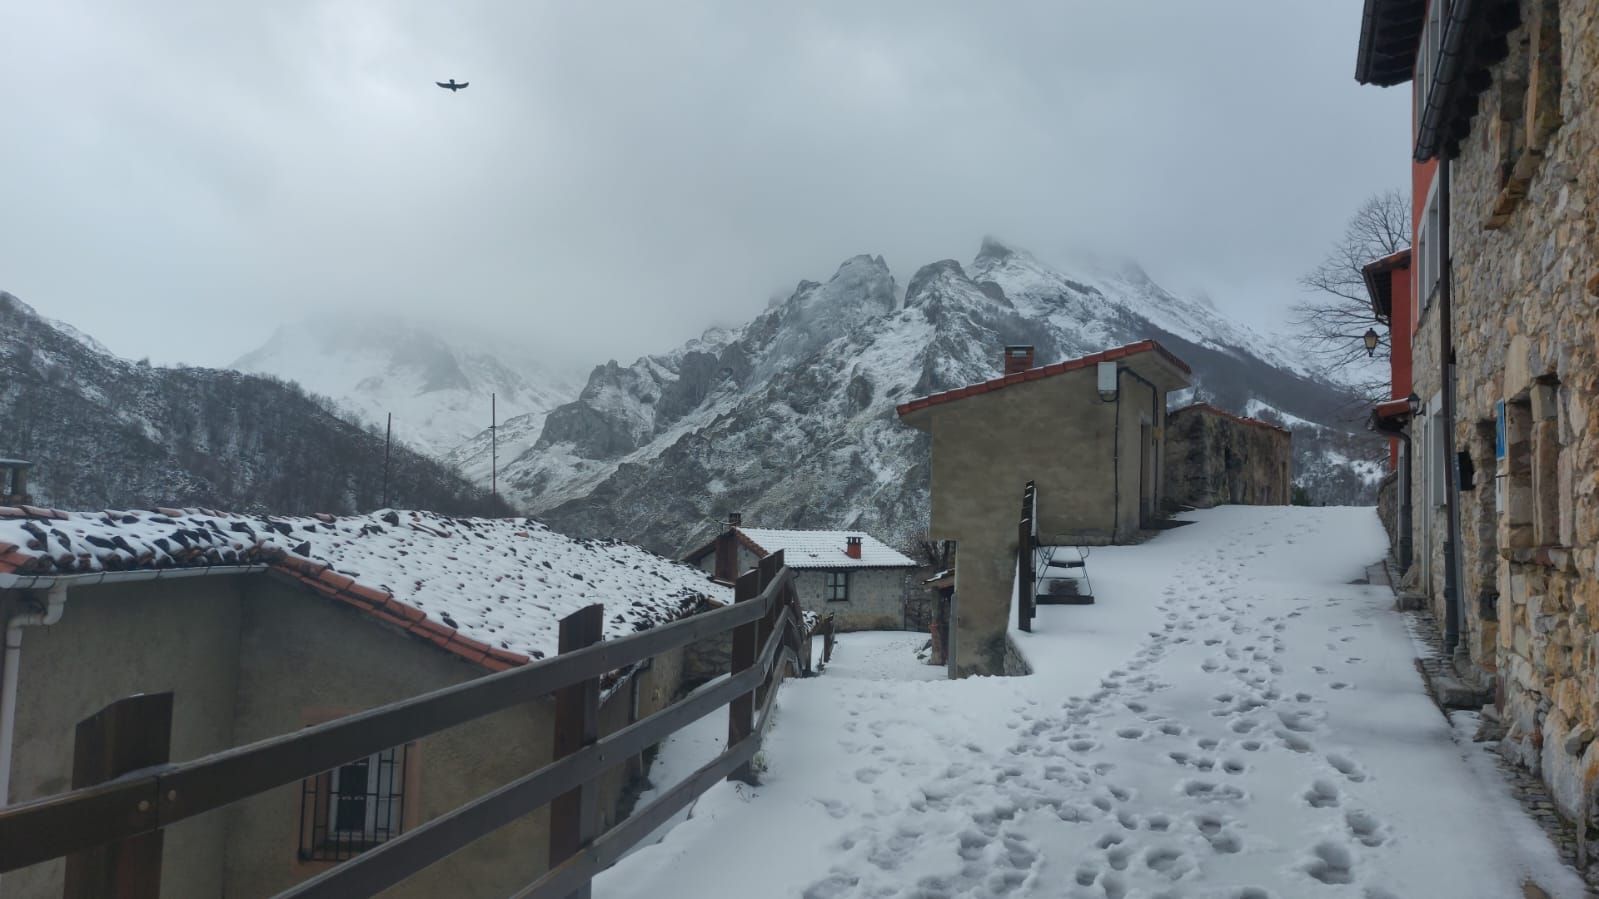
point(1429, 252)
point(1428, 45)
point(354, 807)
point(837, 589)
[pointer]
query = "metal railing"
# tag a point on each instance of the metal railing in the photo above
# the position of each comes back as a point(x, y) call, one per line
point(766, 627)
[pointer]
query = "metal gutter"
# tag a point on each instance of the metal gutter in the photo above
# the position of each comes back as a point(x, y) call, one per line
point(12, 581)
point(1450, 53)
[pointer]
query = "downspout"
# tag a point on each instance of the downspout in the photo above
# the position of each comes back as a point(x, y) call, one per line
point(1116, 463)
point(55, 604)
point(1453, 619)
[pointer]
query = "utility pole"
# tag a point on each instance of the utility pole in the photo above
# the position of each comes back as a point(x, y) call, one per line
point(494, 448)
point(388, 436)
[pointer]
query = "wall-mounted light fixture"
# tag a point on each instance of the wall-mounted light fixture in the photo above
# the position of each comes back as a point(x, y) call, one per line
point(1107, 381)
point(1372, 339)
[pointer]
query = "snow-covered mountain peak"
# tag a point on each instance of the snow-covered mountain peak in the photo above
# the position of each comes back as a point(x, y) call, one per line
point(791, 420)
point(437, 384)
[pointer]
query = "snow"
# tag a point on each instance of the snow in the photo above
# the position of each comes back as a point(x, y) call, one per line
point(1256, 408)
point(504, 582)
point(825, 549)
point(1233, 718)
point(881, 656)
point(436, 383)
point(1369, 470)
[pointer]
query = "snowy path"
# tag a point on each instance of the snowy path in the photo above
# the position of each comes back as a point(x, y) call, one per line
point(1233, 720)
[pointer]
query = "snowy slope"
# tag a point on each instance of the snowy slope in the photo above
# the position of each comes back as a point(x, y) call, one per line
point(791, 421)
point(436, 384)
point(1234, 719)
point(105, 431)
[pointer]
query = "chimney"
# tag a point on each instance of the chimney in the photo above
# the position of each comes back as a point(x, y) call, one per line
point(735, 519)
point(852, 547)
point(1018, 357)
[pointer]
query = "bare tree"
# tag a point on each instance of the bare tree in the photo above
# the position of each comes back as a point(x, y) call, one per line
point(1334, 322)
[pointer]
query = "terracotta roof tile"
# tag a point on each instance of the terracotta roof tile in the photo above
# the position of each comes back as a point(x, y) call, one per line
point(1223, 413)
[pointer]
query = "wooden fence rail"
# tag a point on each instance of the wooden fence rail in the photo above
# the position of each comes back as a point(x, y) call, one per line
point(146, 800)
point(1026, 543)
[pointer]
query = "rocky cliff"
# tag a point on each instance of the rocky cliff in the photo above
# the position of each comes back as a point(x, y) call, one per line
point(790, 419)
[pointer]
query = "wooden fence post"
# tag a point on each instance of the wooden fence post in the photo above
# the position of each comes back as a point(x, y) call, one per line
point(129, 734)
point(741, 711)
point(575, 815)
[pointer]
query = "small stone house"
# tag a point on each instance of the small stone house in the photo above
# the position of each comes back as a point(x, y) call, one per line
point(260, 626)
point(854, 577)
point(1215, 458)
point(1089, 432)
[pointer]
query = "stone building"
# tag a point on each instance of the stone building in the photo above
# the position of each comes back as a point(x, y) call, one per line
point(1089, 432)
point(1214, 458)
point(262, 626)
point(1507, 108)
point(852, 576)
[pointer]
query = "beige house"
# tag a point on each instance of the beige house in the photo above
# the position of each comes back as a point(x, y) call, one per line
point(1214, 458)
point(1089, 432)
point(857, 579)
point(262, 626)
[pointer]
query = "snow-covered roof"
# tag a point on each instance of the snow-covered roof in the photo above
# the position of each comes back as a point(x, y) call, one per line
point(491, 590)
point(825, 549)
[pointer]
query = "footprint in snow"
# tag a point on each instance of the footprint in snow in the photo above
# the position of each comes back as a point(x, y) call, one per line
point(1346, 767)
point(1299, 722)
point(1330, 863)
point(1365, 828)
point(1321, 794)
point(1208, 791)
point(1295, 742)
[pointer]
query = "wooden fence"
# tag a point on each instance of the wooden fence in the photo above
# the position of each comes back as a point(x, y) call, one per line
point(123, 816)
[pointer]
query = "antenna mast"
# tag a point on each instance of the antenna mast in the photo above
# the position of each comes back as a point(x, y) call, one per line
point(388, 434)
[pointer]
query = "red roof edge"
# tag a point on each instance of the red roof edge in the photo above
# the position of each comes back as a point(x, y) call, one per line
point(1044, 371)
point(381, 605)
point(1392, 408)
point(1241, 419)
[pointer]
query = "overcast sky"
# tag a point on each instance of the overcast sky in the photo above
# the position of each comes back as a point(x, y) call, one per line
point(177, 177)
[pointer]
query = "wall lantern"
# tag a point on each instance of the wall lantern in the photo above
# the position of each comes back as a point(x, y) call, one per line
point(1415, 404)
point(1372, 340)
point(1107, 381)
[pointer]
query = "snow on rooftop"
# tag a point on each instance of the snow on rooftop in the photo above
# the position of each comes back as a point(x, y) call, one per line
point(825, 549)
point(503, 582)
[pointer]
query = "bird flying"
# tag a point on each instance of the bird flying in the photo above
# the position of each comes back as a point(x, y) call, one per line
point(452, 86)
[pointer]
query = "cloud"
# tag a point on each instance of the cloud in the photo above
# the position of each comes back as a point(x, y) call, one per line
point(180, 176)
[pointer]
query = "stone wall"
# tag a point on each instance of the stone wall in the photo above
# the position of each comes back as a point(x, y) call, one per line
point(1525, 254)
point(1388, 509)
point(1215, 458)
point(1015, 663)
point(876, 598)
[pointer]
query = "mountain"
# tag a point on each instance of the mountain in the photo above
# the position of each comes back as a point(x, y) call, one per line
point(104, 432)
point(791, 421)
point(436, 383)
